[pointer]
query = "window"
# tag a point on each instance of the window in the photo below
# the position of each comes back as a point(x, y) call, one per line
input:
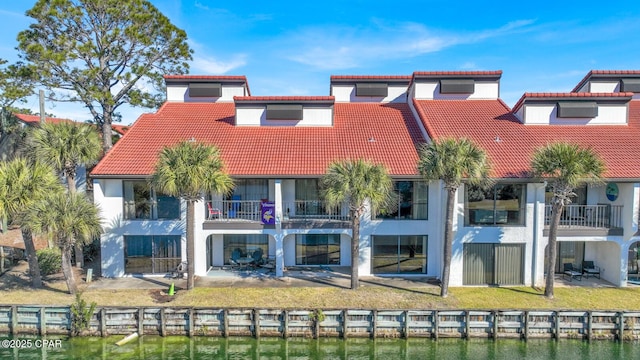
point(399, 254)
point(412, 201)
point(250, 189)
point(142, 202)
point(307, 198)
point(503, 204)
point(318, 249)
point(247, 244)
point(151, 254)
point(284, 112)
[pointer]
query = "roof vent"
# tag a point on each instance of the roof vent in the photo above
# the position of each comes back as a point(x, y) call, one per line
point(284, 112)
point(577, 109)
point(205, 89)
point(372, 89)
point(457, 86)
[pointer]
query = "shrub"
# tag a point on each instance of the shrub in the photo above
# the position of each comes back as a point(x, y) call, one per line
point(50, 261)
point(81, 314)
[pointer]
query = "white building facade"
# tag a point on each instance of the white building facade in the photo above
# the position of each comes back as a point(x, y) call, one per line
point(277, 148)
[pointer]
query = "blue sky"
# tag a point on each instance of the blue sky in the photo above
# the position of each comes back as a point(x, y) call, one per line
point(292, 48)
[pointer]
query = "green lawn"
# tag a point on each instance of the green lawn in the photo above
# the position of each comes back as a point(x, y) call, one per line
point(366, 297)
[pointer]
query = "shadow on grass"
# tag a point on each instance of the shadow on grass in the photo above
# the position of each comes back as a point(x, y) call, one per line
point(14, 281)
point(383, 284)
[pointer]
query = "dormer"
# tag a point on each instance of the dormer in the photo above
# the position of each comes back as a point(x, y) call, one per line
point(455, 85)
point(611, 81)
point(196, 88)
point(573, 108)
point(367, 88)
point(284, 110)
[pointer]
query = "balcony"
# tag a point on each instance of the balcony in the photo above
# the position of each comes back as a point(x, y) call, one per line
point(585, 220)
point(233, 210)
point(313, 213)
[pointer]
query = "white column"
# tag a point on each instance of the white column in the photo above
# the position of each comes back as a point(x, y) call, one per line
point(279, 237)
point(200, 261)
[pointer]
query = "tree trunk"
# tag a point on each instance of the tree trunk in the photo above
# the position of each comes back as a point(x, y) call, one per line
point(556, 213)
point(355, 250)
point(71, 185)
point(191, 251)
point(448, 241)
point(106, 131)
point(32, 258)
point(67, 270)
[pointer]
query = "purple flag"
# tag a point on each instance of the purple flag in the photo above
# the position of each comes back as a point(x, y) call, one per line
point(268, 212)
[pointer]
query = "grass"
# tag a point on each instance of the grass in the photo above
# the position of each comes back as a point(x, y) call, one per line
point(329, 297)
point(15, 289)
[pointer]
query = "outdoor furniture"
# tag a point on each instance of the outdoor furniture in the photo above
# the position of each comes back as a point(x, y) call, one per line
point(214, 213)
point(236, 254)
point(244, 262)
point(179, 271)
point(269, 264)
point(257, 257)
point(572, 272)
point(589, 268)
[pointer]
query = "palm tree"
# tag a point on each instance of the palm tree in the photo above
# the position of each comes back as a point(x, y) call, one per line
point(68, 218)
point(66, 145)
point(452, 161)
point(565, 167)
point(21, 184)
point(355, 182)
point(187, 170)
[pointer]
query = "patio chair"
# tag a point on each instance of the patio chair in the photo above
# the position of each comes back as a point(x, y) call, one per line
point(214, 213)
point(235, 255)
point(589, 268)
point(179, 271)
point(572, 272)
point(257, 257)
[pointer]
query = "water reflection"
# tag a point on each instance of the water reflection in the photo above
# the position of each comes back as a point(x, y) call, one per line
point(154, 347)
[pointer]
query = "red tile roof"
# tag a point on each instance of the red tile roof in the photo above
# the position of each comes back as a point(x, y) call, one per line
point(370, 77)
point(382, 133)
point(552, 96)
point(510, 144)
point(604, 73)
point(457, 73)
point(120, 129)
point(206, 77)
point(35, 119)
point(283, 98)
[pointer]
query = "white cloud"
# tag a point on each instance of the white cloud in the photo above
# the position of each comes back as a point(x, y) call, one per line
point(469, 65)
point(209, 65)
point(332, 47)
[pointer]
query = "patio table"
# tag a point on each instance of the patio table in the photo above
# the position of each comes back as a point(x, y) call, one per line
point(245, 261)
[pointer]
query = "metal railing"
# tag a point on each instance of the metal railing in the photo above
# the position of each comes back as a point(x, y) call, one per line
point(589, 216)
point(233, 210)
point(313, 210)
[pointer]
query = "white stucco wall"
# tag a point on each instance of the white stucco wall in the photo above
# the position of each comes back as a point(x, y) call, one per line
point(603, 86)
point(430, 90)
point(108, 195)
point(180, 93)
point(513, 234)
point(546, 114)
point(347, 93)
point(311, 116)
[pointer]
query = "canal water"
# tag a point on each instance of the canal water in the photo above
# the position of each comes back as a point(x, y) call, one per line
point(155, 347)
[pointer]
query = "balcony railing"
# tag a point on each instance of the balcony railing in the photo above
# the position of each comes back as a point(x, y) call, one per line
point(587, 216)
point(248, 210)
point(313, 210)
